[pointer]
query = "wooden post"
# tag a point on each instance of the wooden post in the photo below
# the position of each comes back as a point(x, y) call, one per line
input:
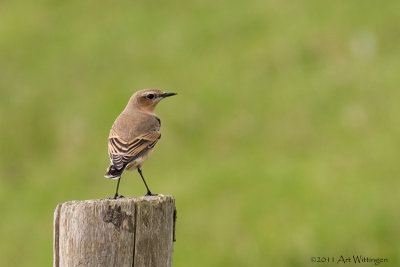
point(124, 232)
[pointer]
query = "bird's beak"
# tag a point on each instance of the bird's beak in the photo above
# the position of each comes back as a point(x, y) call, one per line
point(167, 94)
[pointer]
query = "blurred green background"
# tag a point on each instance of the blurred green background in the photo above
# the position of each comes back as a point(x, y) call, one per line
point(282, 144)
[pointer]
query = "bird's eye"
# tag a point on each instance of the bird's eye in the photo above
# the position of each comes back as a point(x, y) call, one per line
point(150, 96)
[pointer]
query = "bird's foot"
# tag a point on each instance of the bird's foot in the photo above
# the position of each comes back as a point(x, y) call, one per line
point(116, 197)
point(149, 194)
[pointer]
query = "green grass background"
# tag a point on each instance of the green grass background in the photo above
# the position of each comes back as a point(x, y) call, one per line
point(282, 144)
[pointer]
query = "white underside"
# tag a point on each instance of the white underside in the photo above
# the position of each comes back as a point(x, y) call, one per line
point(137, 163)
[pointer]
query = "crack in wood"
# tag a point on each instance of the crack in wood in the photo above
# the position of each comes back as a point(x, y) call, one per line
point(134, 230)
point(174, 225)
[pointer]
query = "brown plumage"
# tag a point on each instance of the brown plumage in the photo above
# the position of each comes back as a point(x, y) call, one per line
point(134, 134)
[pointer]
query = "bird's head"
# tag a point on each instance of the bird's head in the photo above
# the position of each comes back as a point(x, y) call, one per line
point(147, 99)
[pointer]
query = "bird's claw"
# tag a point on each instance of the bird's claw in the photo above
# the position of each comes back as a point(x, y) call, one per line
point(116, 197)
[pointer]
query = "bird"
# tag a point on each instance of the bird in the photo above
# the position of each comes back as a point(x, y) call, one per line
point(134, 134)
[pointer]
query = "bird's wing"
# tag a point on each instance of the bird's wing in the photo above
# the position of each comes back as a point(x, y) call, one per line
point(123, 151)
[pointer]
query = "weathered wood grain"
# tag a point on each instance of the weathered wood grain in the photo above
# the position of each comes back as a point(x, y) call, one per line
point(123, 232)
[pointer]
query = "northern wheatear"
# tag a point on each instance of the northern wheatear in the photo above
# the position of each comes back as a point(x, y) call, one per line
point(134, 134)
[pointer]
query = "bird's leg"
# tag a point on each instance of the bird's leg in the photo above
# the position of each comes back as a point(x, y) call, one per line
point(116, 191)
point(148, 190)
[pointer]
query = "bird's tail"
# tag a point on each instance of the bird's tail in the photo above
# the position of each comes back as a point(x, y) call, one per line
point(113, 172)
